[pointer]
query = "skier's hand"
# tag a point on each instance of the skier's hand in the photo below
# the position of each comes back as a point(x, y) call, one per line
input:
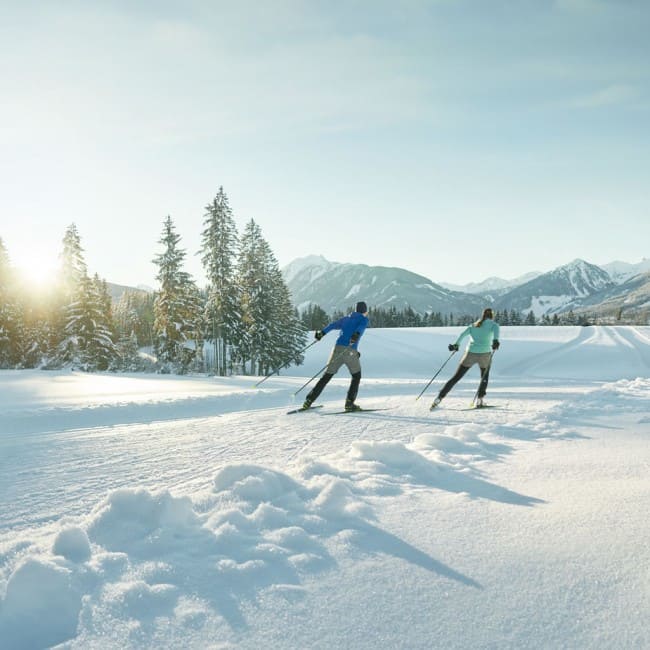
point(359, 354)
point(453, 347)
point(495, 344)
point(318, 335)
point(355, 337)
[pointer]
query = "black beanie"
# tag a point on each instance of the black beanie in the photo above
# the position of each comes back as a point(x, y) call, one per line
point(361, 307)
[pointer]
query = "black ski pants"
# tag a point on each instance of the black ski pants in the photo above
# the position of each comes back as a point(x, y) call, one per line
point(325, 379)
point(460, 373)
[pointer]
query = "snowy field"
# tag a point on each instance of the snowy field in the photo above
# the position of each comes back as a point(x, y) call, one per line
point(141, 511)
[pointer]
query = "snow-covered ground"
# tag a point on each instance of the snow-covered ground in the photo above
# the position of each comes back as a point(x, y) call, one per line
point(164, 512)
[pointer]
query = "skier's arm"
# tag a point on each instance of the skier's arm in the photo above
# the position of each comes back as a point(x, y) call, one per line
point(336, 325)
point(495, 337)
point(461, 336)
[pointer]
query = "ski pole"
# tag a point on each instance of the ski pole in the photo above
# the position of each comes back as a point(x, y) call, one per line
point(312, 379)
point(483, 374)
point(282, 366)
point(434, 376)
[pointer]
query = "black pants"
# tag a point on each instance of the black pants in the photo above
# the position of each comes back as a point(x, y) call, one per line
point(324, 380)
point(460, 373)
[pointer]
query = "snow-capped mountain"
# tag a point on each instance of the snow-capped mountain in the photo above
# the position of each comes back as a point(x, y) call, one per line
point(631, 298)
point(579, 285)
point(336, 286)
point(622, 271)
point(558, 290)
point(492, 286)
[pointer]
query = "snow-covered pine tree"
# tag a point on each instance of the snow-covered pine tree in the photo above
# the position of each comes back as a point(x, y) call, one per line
point(128, 357)
point(88, 343)
point(288, 334)
point(10, 316)
point(73, 264)
point(176, 306)
point(125, 315)
point(271, 333)
point(106, 304)
point(254, 308)
point(72, 296)
point(134, 313)
point(218, 255)
point(195, 309)
point(100, 350)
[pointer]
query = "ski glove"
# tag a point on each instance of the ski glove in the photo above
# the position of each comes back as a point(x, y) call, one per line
point(495, 344)
point(318, 335)
point(453, 347)
point(355, 337)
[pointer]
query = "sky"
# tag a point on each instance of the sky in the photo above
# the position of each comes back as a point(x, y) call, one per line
point(457, 139)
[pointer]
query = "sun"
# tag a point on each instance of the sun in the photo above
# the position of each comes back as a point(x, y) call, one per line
point(36, 272)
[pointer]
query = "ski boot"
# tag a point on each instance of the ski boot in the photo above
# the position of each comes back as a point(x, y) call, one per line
point(350, 406)
point(435, 403)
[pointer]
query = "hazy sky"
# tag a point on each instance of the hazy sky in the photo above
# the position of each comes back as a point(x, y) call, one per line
point(457, 139)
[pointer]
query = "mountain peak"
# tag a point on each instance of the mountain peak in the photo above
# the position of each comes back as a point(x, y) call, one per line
point(334, 286)
point(577, 263)
point(316, 263)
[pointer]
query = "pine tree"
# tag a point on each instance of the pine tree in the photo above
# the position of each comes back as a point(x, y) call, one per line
point(176, 305)
point(10, 315)
point(530, 318)
point(99, 346)
point(69, 323)
point(314, 317)
point(287, 333)
point(134, 314)
point(219, 252)
point(515, 317)
point(128, 357)
point(570, 318)
point(271, 335)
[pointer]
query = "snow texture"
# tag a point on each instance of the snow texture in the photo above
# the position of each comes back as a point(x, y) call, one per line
point(157, 512)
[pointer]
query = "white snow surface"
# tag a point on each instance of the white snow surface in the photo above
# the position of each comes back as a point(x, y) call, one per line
point(141, 511)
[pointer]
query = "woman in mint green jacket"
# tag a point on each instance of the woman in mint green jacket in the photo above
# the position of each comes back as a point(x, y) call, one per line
point(484, 339)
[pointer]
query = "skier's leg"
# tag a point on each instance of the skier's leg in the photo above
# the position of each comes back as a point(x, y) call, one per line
point(335, 361)
point(317, 389)
point(354, 366)
point(460, 372)
point(354, 388)
point(482, 387)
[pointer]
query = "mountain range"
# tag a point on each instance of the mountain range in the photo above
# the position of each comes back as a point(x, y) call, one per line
point(579, 286)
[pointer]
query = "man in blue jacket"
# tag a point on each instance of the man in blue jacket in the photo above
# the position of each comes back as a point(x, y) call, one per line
point(345, 352)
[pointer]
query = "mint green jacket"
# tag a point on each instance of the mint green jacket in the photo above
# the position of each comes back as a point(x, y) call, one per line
point(480, 337)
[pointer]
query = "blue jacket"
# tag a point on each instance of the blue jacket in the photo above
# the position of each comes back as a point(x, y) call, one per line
point(480, 337)
point(348, 325)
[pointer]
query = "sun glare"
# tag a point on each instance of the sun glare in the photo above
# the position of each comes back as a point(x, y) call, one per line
point(37, 273)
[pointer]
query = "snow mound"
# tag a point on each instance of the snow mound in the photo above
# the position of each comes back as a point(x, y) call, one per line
point(72, 543)
point(41, 606)
point(142, 559)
